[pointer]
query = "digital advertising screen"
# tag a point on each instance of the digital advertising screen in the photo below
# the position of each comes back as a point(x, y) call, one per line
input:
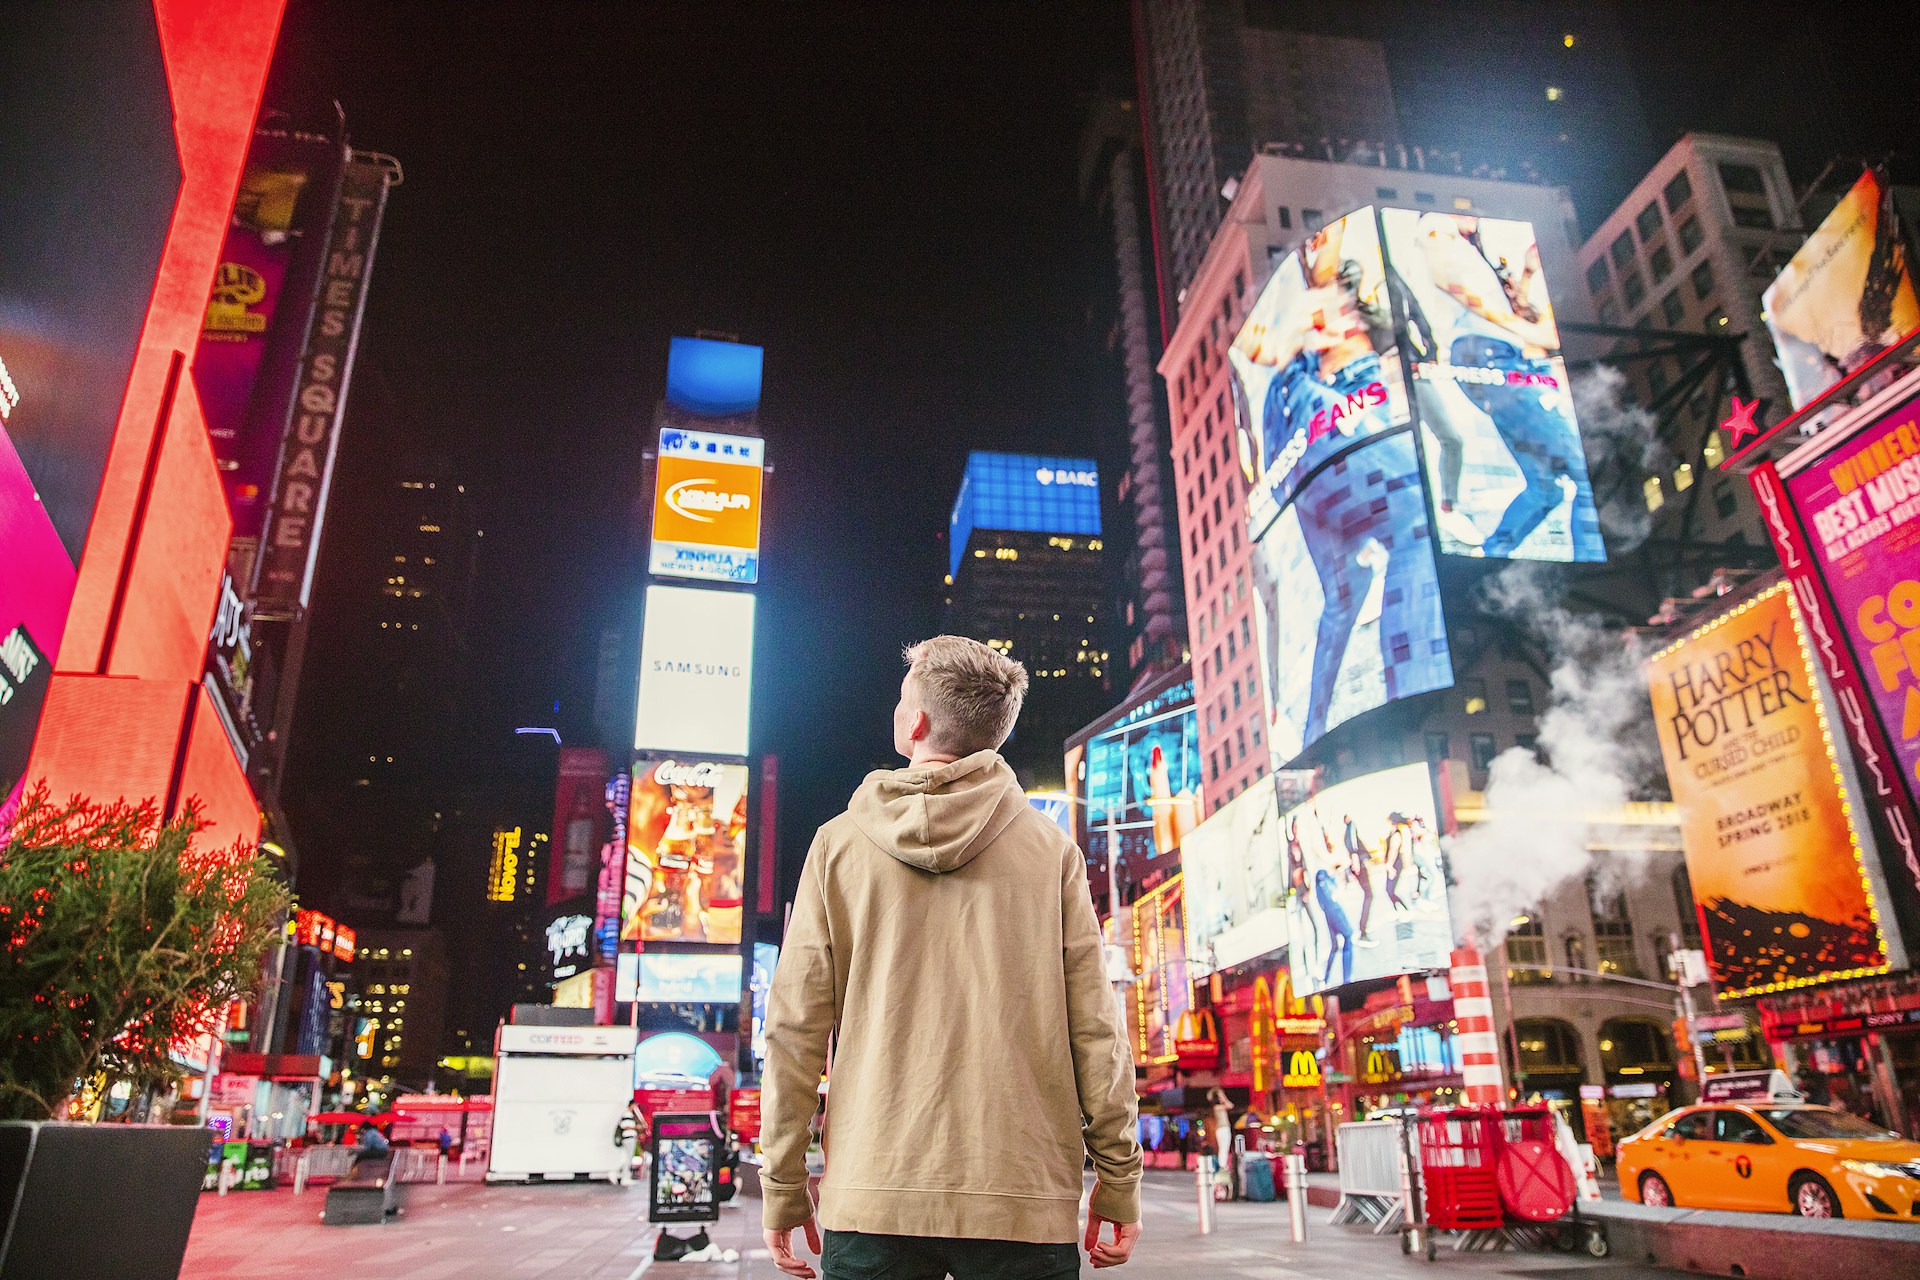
point(1503, 450)
point(1845, 296)
point(682, 977)
point(579, 822)
point(1348, 597)
point(1778, 872)
point(696, 671)
point(766, 958)
point(1860, 505)
point(706, 507)
point(36, 586)
point(1142, 779)
point(1234, 887)
point(686, 852)
point(1367, 891)
point(709, 378)
point(1023, 492)
point(1315, 365)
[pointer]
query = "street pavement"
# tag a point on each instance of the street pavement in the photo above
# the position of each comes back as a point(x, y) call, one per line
point(596, 1232)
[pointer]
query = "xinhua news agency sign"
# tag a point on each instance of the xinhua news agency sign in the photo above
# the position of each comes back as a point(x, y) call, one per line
point(292, 539)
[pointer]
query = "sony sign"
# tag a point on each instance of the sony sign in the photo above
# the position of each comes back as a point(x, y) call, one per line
point(696, 671)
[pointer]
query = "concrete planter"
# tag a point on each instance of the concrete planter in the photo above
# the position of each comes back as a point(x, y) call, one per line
point(105, 1201)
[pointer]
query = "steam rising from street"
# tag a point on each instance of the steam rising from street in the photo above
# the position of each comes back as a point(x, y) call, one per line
point(1594, 752)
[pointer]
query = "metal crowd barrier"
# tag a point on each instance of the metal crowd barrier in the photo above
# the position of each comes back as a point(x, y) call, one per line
point(1371, 1186)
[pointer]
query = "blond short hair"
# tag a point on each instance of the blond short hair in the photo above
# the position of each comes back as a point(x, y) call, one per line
point(972, 694)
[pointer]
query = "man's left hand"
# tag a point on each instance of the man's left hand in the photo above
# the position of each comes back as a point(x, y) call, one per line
point(780, 1245)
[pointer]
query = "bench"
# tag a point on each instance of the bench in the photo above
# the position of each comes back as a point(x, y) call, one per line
point(367, 1194)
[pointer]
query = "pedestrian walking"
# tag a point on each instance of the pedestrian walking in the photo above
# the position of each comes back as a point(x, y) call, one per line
point(944, 940)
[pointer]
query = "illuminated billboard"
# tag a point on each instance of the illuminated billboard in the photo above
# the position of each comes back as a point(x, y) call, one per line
point(1504, 456)
point(1781, 881)
point(1023, 492)
point(1860, 506)
point(36, 585)
point(1236, 893)
point(1162, 991)
point(686, 852)
point(1315, 366)
point(679, 977)
point(1142, 776)
point(1348, 597)
point(579, 822)
point(706, 507)
point(766, 958)
point(696, 671)
point(712, 379)
point(1367, 890)
point(1845, 296)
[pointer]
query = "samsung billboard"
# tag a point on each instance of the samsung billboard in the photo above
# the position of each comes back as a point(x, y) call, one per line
point(696, 671)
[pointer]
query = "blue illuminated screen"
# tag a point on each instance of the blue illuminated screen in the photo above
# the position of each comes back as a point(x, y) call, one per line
point(713, 379)
point(1024, 492)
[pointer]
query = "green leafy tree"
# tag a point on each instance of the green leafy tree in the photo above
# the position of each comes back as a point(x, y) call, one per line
point(119, 936)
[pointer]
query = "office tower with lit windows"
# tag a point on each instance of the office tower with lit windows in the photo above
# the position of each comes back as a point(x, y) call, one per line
point(1026, 576)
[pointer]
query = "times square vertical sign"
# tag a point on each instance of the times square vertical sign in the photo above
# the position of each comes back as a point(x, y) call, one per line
point(291, 542)
point(1844, 515)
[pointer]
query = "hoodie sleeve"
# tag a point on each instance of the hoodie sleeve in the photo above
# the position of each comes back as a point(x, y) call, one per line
point(800, 1018)
point(1102, 1060)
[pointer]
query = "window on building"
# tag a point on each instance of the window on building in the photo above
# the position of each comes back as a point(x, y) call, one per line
point(1423, 197)
point(1635, 291)
point(1683, 902)
point(1231, 643)
point(1520, 697)
point(1756, 216)
point(1716, 319)
point(1213, 766)
point(1312, 219)
point(1683, 477)
point(1241, 735)
point(1714, 452)
point(1660, 264)
point(1597, 275)
point(1285, 217)
point(1703, 281)
point(1528, 957)
point(1690, 236)
point(1236, 685)
point(1725, 502)
point(1240, 585)
point(1742, 179)
point(1609, 314)
point(1474, 690)
point(1218, 666)
point(1648, 223)
point(1482, 751)
point(1678, 191)
point(1612, 930)
point(1623, 250)
point(1651, 491)
point(1246, 631)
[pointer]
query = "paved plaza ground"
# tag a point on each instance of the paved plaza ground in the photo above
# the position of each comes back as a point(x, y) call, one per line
point(581, 1232)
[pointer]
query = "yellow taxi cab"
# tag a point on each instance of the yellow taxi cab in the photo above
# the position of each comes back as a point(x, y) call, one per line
point(1774, 1156)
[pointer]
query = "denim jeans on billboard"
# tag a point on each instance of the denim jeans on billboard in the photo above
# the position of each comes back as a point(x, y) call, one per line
point(1339, 929)
point(855, 1255)
point(1543, 444)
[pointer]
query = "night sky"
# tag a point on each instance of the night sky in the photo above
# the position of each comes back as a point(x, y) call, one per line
point(884, 196)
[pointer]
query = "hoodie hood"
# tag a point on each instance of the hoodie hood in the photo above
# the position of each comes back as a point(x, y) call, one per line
point(940, 818)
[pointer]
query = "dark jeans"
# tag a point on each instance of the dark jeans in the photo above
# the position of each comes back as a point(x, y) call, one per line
point(854, 1255)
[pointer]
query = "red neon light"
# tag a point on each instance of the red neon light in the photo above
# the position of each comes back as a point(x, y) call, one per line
point(1740, 422)
point(150, 575)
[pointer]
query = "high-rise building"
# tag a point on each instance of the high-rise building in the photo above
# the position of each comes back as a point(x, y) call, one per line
point(396, 1021)
point(1280, 200)
point(1148, 610)
point(1690, 251)
point(1220, 78)
point(1026, 577)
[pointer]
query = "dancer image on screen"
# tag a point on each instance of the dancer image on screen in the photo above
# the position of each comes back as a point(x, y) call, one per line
point(1399, 838)
point(1501, 327)
point(1298, 894)
point(1339, 925)
point(1360, 865)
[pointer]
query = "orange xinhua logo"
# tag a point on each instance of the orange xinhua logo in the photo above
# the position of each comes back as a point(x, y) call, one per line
point(715, 504)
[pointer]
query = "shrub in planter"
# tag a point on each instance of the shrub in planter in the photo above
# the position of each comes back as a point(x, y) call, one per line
point(120, 935)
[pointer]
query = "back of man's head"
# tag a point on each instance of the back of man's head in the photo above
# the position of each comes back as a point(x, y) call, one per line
point(970, 692)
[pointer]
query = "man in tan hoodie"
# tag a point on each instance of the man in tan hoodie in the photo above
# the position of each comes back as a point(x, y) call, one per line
point(943, 943)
